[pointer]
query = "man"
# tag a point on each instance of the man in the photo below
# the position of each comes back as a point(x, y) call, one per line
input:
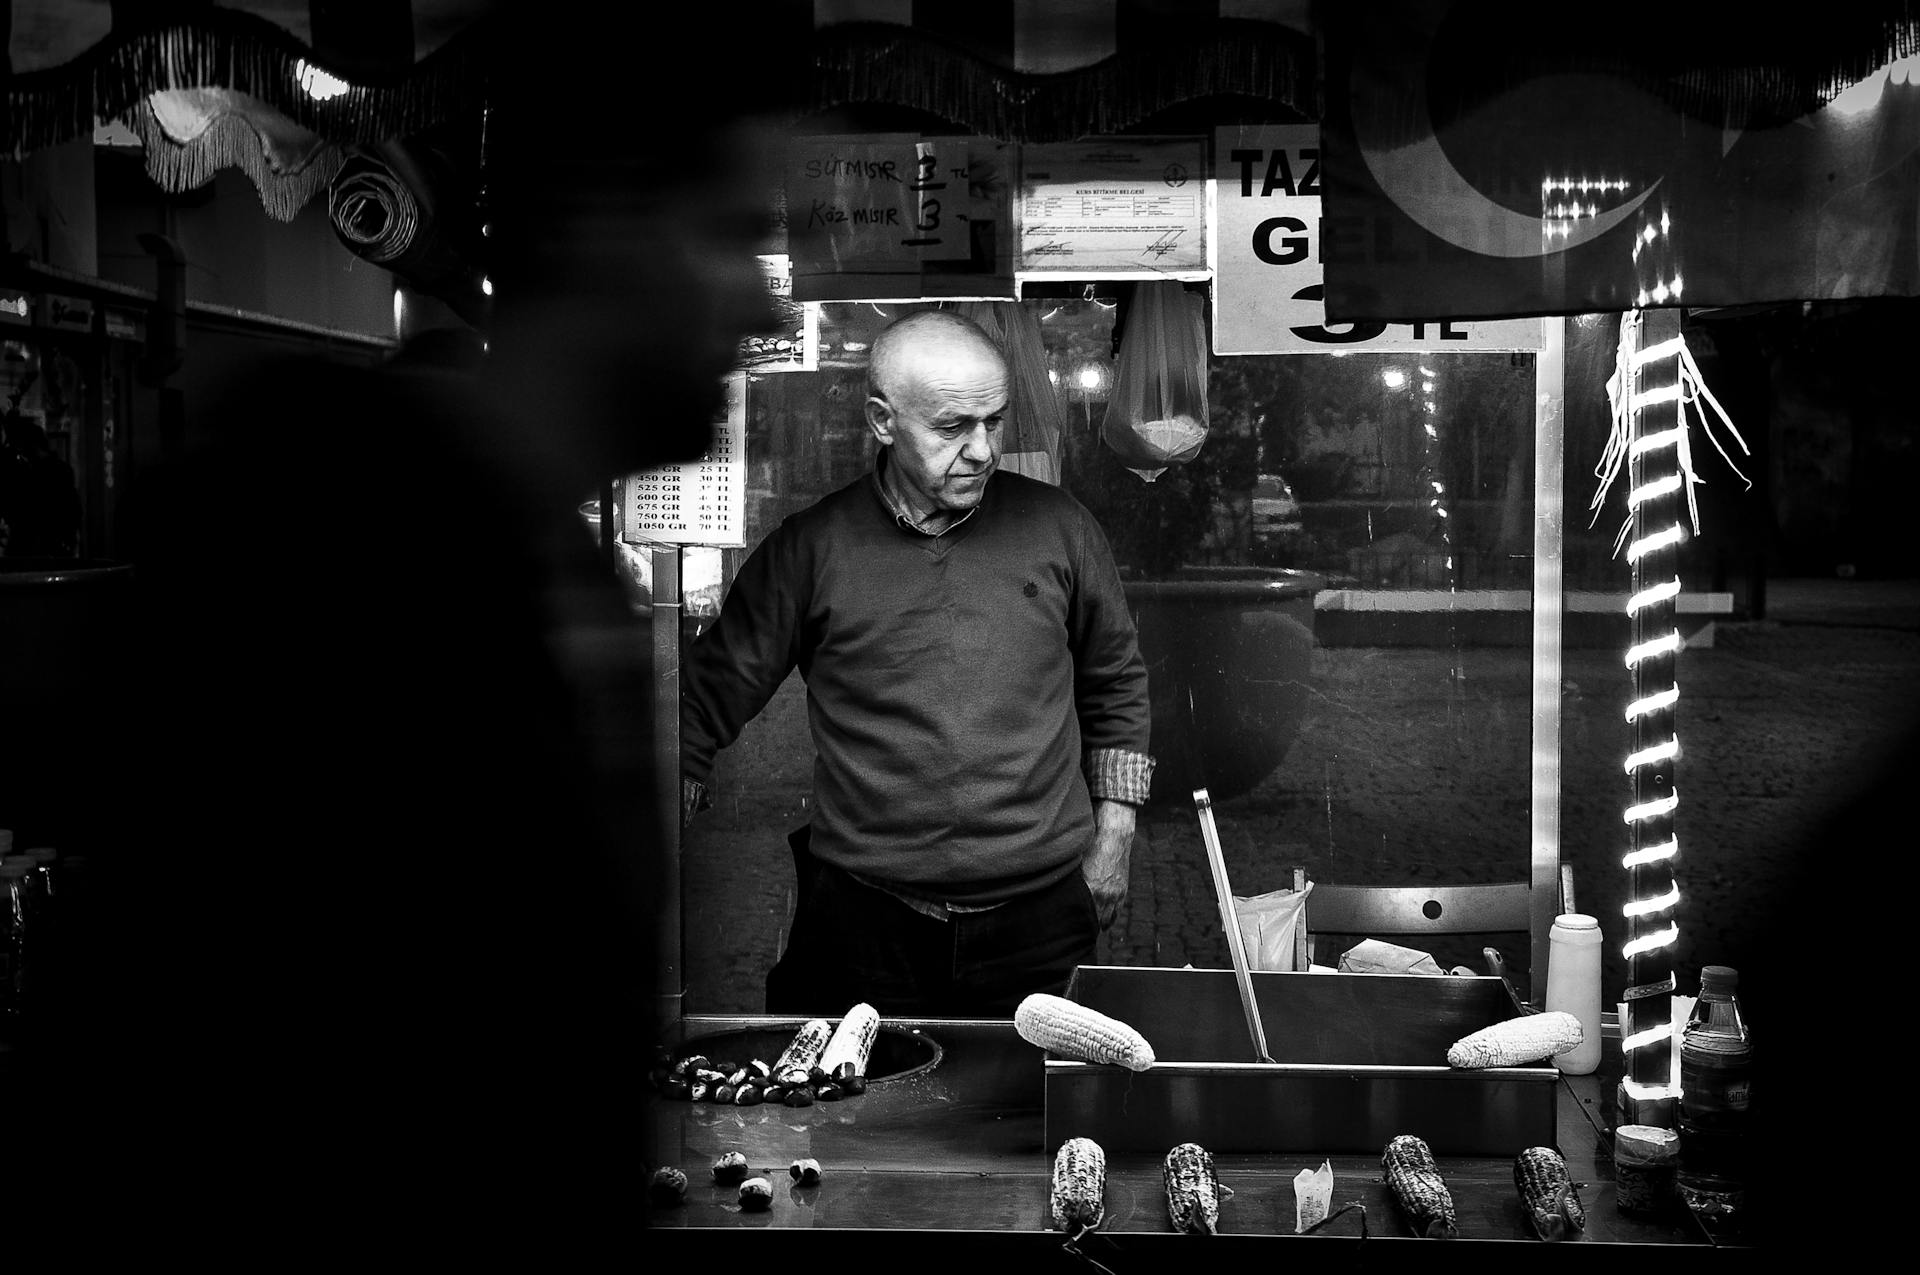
point(977, 699)
point(369, 962)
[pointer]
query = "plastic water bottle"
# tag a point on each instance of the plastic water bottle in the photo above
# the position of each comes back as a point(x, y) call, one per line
point(1573, 985)
point(1716, 1082)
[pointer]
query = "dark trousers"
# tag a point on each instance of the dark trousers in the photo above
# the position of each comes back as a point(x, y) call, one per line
point(851, 943)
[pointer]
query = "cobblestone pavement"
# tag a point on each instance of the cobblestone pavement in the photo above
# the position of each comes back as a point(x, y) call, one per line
point(1412, 766)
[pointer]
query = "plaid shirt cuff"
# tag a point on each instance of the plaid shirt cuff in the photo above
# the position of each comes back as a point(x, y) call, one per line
point(1117, 774)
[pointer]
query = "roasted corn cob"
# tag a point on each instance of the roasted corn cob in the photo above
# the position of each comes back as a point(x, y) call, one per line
point(1548, 1194)
point(1418, 1187)
point(1193, 1191)
point(1515, 1041)
point(803, 1051)
point(852, 1040)
point(1067, 1027)
point(1079, 1185)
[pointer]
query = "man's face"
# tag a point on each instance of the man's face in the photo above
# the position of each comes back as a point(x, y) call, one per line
point(944, 423)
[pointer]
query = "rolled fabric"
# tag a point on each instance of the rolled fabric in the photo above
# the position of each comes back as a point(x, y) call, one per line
point(373, 211)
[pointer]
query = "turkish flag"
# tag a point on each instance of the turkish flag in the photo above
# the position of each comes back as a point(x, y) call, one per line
point(1485, 160)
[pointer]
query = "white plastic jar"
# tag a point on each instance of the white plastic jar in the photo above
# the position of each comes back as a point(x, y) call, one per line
point(1573, 985)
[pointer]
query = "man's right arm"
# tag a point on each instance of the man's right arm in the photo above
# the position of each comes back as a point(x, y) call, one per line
point(735, 666)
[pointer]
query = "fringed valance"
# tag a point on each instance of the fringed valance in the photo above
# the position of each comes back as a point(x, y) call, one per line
point(188, 135)
point(219, 48)
point(872, 63)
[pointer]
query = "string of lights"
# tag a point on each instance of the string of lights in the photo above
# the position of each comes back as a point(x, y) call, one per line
point(1655, 537)
point(1654, 385)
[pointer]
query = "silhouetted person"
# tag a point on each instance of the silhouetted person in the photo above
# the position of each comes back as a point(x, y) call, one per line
point(374, 949)
point(39, 498)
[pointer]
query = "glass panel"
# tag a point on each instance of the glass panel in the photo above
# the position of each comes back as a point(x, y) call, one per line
point(1297, 584)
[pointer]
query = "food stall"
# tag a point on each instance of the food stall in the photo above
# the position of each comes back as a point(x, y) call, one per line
point(1376, 474)
point(879, 1170)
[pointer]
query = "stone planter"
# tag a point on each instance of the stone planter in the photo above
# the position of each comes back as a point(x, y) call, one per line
point(1229, 654)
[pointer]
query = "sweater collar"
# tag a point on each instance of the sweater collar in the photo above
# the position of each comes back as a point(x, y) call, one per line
point(901, 515)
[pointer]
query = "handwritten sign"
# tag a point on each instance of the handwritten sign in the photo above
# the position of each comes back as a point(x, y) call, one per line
point(1114, 208)
point(696, 502)
point(894, 216)
point(1269, 240)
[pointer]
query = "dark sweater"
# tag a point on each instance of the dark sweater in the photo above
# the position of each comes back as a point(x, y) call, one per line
point(954, 683)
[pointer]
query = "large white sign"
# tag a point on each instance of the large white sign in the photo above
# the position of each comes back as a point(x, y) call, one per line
point(1267, 244)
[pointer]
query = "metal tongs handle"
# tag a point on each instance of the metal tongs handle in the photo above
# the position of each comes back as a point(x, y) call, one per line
point(1231, 919)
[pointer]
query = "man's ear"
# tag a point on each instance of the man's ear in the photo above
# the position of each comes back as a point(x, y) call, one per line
point(880, 419)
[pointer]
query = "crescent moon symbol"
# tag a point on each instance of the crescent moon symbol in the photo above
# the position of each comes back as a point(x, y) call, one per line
point(1420, 179)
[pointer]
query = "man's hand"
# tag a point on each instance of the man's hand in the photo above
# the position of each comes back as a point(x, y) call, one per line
point(1105, 865)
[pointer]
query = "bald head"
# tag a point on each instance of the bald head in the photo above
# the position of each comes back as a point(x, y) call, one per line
point(913, 349)
point(937, 391)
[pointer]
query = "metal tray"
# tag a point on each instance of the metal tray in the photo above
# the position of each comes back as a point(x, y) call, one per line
point(1358, 1058)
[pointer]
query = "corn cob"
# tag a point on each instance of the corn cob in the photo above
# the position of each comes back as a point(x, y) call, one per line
point(1418, 1187)
point(802, 1052)
point(1193, 1190)
point(1067, 1027)
point(1079, 1185)
point(1516, 1041)
point(852, 1040)
point(1548, 1194)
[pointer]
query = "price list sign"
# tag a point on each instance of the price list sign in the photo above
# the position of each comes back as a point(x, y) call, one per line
point(899, 216)
point(696, 502)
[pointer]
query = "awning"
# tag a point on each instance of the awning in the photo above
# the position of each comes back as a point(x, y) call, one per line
point(279, 88)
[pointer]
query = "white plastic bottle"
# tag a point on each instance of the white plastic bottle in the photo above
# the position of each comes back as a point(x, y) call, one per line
point(1573, 984)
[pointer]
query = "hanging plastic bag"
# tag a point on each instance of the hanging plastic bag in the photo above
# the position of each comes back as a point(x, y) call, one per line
point(1157, 416)
point(1034, 417)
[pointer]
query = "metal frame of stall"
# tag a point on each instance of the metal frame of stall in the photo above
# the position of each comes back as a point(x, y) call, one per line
point(1546, 636)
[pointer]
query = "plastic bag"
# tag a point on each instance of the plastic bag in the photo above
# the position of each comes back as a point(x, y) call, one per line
point(1269, 924)
point(1157, 416)
point(1035, 418)
point(1375, 956)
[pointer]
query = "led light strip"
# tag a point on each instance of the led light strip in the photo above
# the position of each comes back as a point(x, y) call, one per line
point(1659, 487)
point(1655, 384)
point(1646, 1036)
point(1647, 907)
point(1663, 592)
point(1429, 408)
point(1664, 751)
point(1653, 703)
point(1651, 854)
point(1665, 644)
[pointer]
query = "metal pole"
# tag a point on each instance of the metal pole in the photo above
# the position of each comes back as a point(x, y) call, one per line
point(670, 974)
point(1549, 470)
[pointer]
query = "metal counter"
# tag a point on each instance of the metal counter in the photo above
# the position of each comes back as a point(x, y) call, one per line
point(950, 1160)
